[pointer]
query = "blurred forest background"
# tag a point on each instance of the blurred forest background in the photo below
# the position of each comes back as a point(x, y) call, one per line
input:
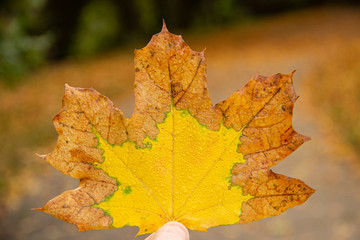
point(34, 32)
point(89, 43)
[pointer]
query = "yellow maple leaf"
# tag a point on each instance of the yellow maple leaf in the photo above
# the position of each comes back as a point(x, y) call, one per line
point(178, 158)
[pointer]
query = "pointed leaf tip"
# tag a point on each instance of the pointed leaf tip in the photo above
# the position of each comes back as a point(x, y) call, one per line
point(42, 156)
point(164, 28)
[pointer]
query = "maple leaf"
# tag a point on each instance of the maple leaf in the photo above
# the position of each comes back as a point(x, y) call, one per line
point(178, 158)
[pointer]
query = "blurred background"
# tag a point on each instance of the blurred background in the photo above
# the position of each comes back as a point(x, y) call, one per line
point(89, 43)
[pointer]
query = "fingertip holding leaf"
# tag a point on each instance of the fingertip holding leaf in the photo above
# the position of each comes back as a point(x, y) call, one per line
point(178, 158)
point(171, 230)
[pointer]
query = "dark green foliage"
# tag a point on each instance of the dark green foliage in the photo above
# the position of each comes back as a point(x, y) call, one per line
point(97, 28)
point(23, 44)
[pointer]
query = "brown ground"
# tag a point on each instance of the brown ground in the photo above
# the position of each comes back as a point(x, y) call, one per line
point(323, 45)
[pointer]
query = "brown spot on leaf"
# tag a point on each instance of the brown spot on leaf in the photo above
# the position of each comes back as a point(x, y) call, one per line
point(82, 156)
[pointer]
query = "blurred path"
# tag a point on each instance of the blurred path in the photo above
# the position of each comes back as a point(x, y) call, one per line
point(302, 41)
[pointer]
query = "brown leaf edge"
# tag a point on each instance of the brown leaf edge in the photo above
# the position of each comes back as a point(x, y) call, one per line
point(268, 137)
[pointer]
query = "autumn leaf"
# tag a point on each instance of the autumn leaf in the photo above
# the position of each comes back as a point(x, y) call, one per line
point(178, 158)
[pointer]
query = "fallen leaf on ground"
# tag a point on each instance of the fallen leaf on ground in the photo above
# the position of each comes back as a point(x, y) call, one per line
point(178, 158)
